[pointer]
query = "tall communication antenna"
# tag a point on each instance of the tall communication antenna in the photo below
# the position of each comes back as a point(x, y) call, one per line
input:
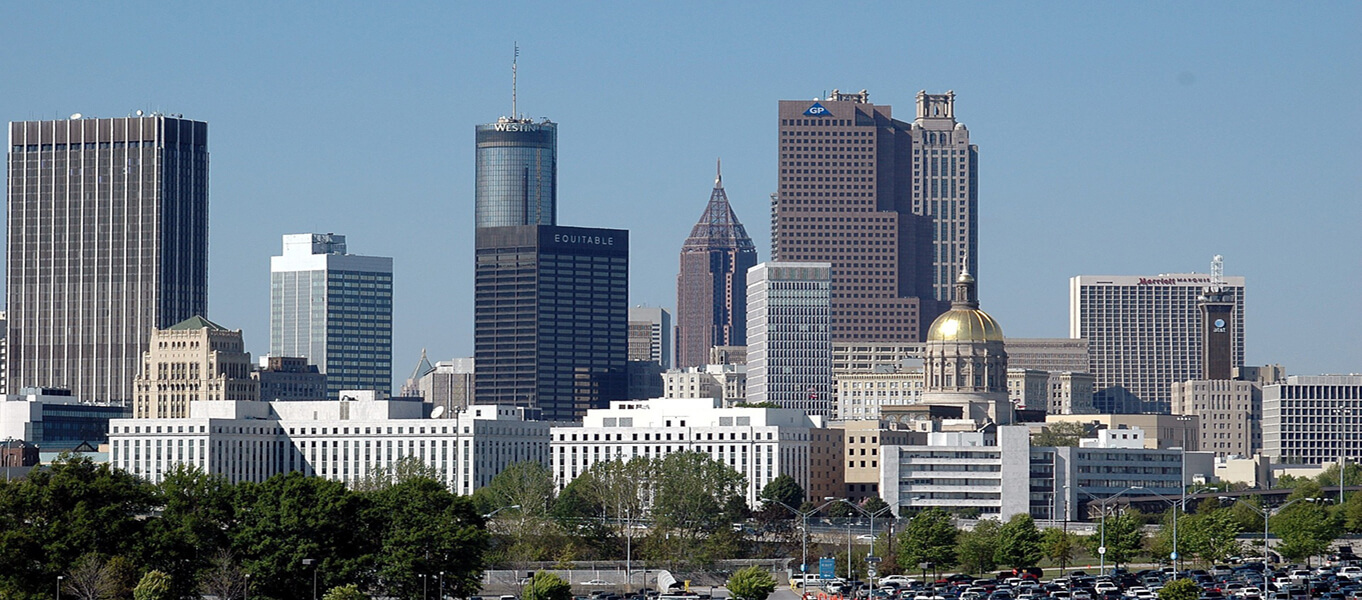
point(514, 60)
point(1217, 273)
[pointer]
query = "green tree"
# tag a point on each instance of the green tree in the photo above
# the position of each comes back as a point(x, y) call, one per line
point(422, 527)
point(155, 585)
point(196, 511)
point(578, 513)
point(1058, 545)
point(1306, 529)
point(840, 510)
point(690, 491)
point(1211, 535)
point(344, 592)
point(1064, 433)
point(1180, 589)
point(547, 586)
point(751, 583)
point(1124, 537)
point(528, 532)
point(783, 489)
point(977, 550)
point(1019, 543)
point(929, 537)
point(1352, 513)
point(54, 516)
point(874, 504)
point(290, 517)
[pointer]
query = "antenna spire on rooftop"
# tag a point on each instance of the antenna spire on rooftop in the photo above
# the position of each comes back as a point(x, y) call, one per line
point(514, 60)
point(718, 172)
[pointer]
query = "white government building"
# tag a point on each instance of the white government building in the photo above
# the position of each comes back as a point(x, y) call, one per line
point(344, 440)
point(760, 443)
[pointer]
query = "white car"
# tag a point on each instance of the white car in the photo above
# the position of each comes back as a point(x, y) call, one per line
point(901, 580)
point(1350, 572)
point(596, 582)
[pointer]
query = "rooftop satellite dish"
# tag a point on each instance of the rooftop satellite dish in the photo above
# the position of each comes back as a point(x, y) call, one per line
point(139, 113)
point(438, 412)
point(76, 115)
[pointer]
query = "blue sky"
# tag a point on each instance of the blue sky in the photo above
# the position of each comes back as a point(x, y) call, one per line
point(1115, 138)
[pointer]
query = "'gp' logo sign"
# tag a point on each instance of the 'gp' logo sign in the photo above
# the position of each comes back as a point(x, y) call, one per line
point(817, 110)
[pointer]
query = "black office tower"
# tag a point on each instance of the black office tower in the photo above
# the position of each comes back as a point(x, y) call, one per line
point(550, 318)
point(107, 242)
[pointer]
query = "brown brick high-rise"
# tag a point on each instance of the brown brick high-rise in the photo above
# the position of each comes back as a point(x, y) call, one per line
point(711, 289)
point(864, 192)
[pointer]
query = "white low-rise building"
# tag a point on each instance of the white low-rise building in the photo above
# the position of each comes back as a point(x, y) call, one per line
point(347, 440)
point(760, 443)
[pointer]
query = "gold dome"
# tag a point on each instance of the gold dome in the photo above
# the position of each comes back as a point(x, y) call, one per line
point(965, 325)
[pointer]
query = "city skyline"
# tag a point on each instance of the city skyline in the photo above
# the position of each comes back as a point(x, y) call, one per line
point(1103, 150)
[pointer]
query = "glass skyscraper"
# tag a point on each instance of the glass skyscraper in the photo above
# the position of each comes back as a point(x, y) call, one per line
point(335, 309)
point(107, 242)
point(517, 173)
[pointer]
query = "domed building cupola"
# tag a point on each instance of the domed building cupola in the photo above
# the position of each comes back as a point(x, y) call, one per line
point(966, 364)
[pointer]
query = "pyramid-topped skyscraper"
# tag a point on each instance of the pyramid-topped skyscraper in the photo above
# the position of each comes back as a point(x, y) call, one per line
point(711, 290)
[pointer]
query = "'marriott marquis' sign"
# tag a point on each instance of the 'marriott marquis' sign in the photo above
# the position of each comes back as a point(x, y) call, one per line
point(1173, 280)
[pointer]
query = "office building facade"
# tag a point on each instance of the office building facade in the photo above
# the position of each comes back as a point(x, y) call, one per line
point(711, 289)
point(335, 309)
point(107, 241)
point(355, 441)
point(516, 174)
point(55, 421)
point(760, 443)
point(550, 317)
point(891, 204)
point(789, 350)
point(1313, 420)
point(1145, 333)
point(195, 360)
point(1229, 412)
point(650, 335)
point(289, 378)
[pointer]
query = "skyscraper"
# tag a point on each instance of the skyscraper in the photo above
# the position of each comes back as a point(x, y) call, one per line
point(891, 205)
point(517, 173)
point(107, 242)
point(550, 317)
point(334, 309)
point(711, 289)
point(1145, 333)
point(789, 352)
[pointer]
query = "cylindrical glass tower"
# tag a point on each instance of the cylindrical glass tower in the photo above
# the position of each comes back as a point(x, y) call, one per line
point(517, 173)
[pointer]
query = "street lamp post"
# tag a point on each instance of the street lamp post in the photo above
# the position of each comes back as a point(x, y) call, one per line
point(424, 590)
point(246, 592)
point(803, 537)
point(1102, 547)
point(59, 578)
point(442, 585)
point(1267, 513)
point(312, 563)
point(1177, 505)
point(871, 553)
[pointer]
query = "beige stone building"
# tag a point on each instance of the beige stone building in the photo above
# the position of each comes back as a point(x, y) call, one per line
point(721, 382)
point(194, 360)
point(861, 441)
point(1229, 411)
